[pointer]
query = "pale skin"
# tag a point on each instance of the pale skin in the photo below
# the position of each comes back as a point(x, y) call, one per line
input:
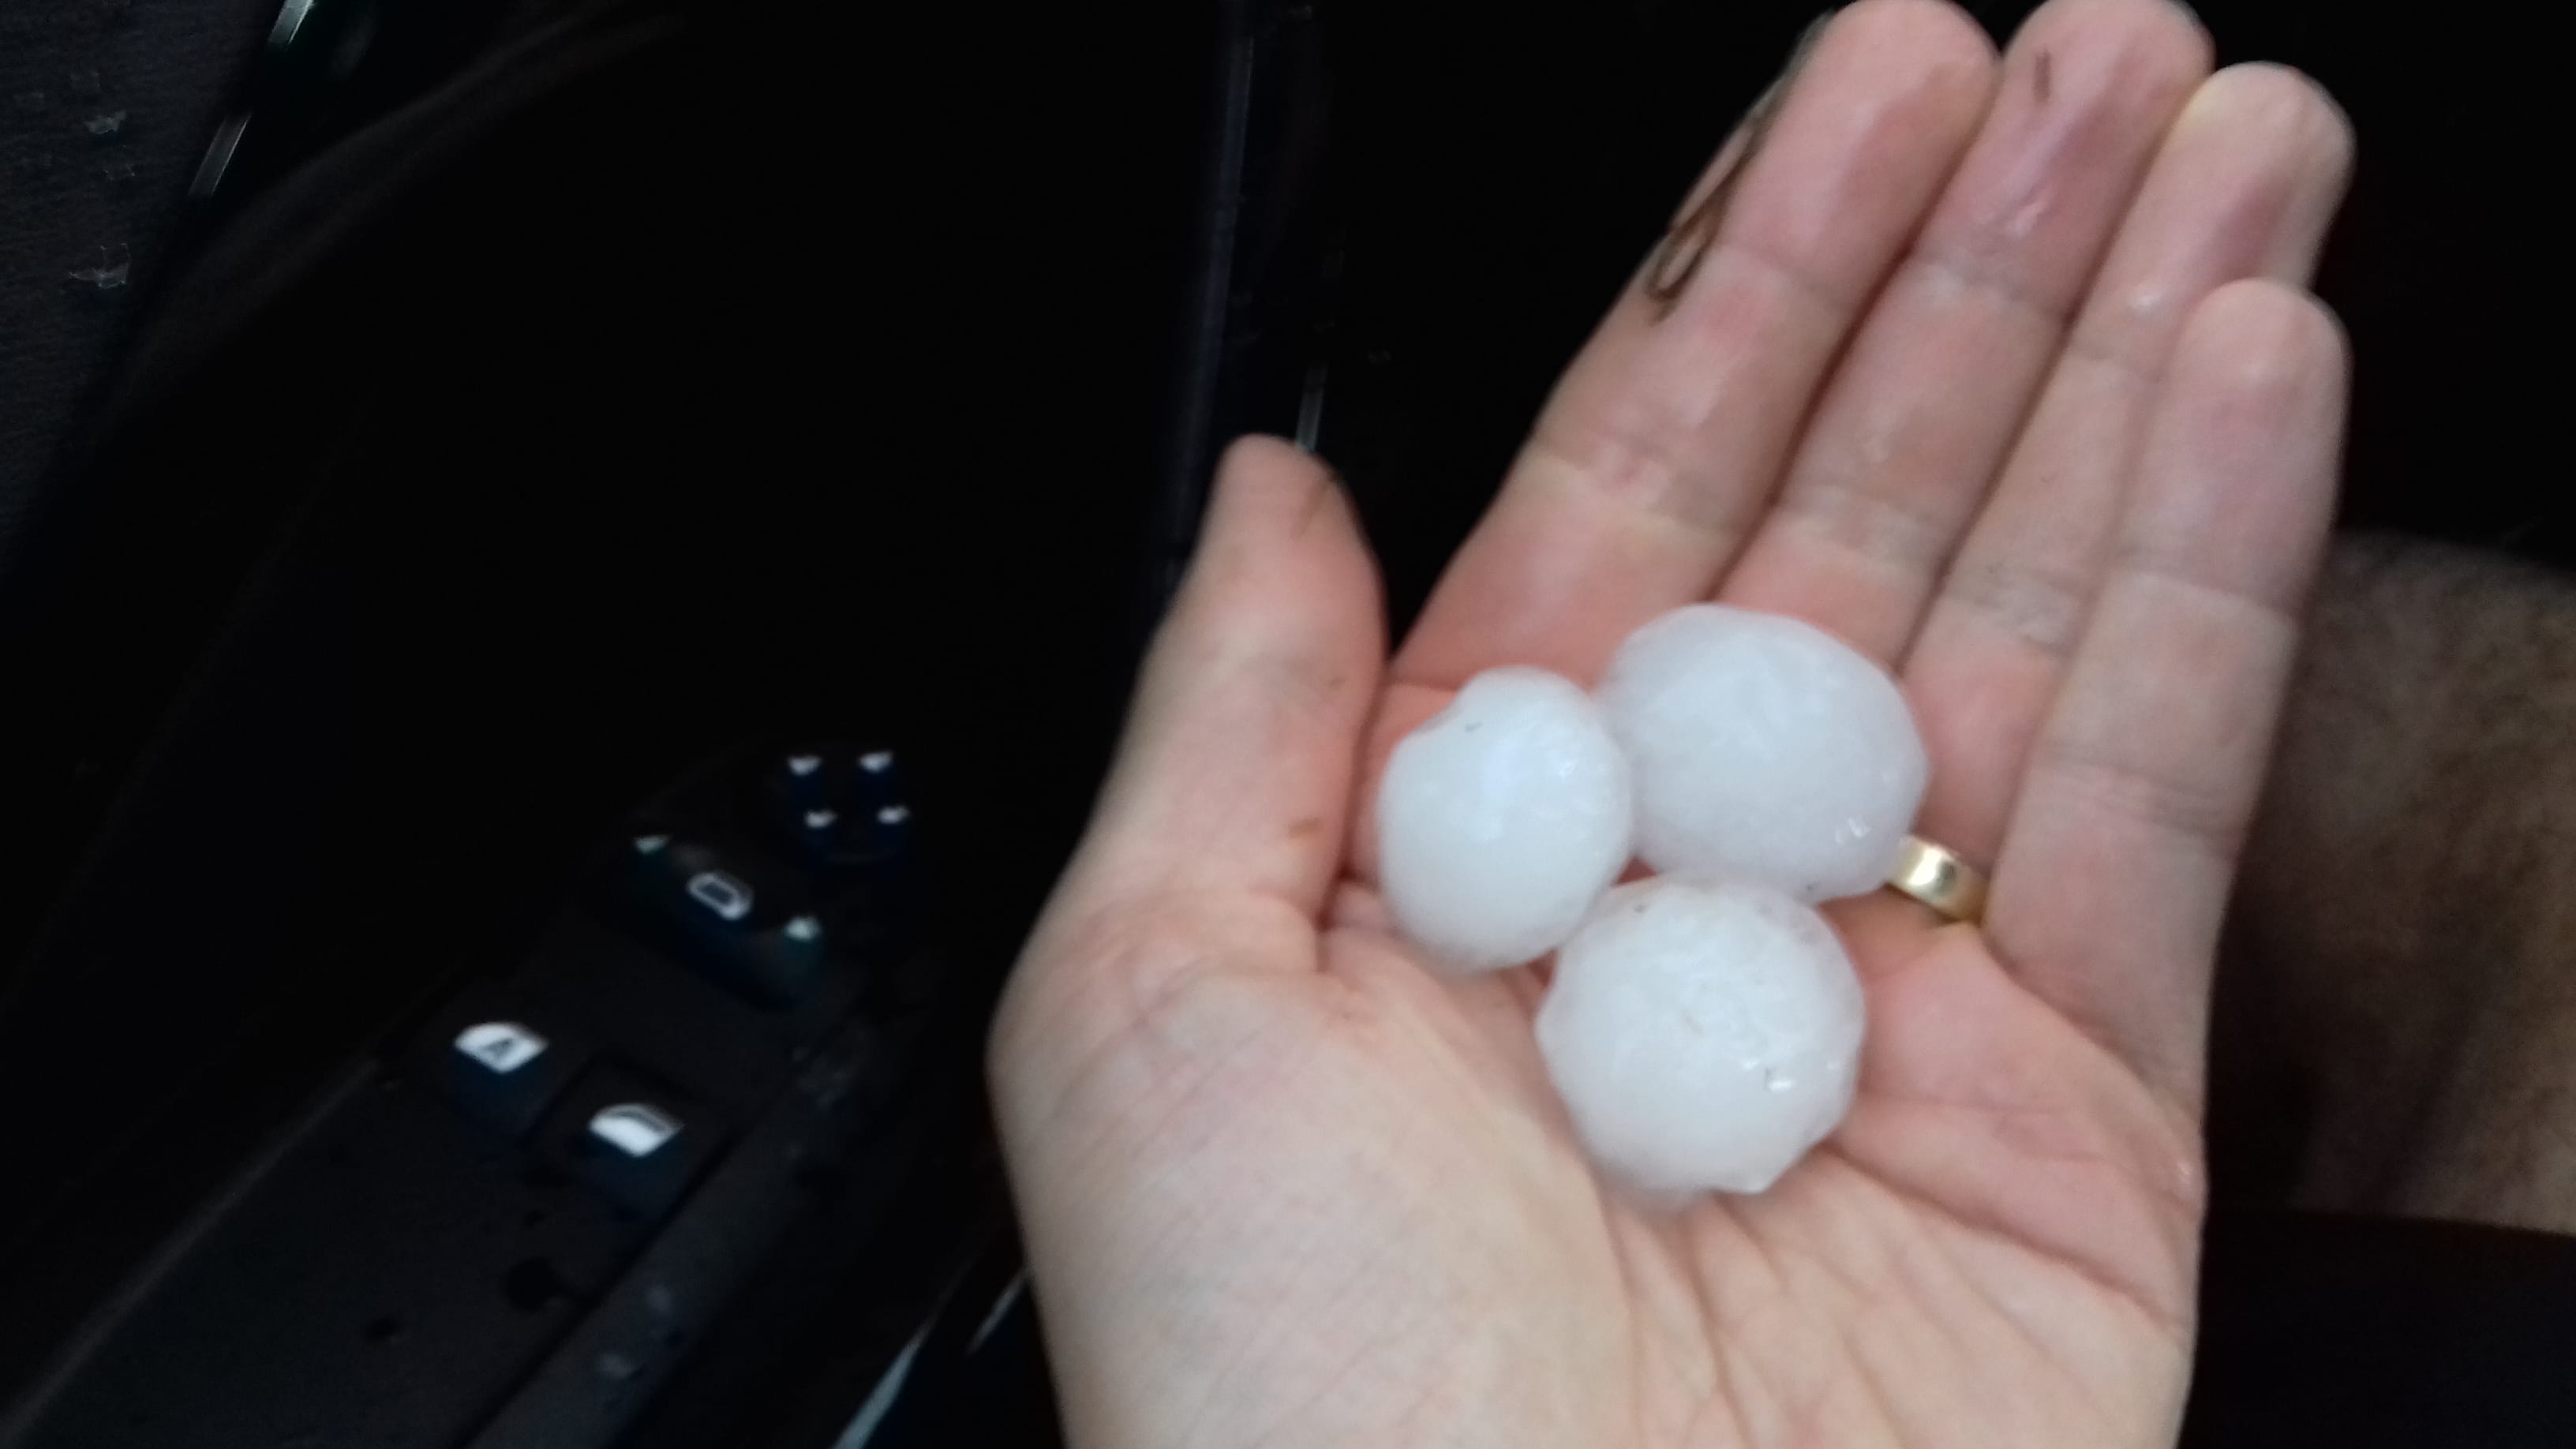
point(2013, 385)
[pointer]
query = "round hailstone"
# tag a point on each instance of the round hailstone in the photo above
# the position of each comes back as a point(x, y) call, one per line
point(1764, 749)
point(1702, 1035)
point(1502, 819)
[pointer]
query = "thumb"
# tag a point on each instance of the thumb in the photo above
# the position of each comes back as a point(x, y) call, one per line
point(1235, 774)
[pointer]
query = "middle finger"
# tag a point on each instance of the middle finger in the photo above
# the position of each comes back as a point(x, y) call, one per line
point(1918, 419)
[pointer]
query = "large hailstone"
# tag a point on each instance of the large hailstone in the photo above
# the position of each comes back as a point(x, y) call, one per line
point(1502, 819)
point(1703, 1035)
point(1764, 749)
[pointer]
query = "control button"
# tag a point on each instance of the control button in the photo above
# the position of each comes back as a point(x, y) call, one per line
point(888, 833)
point(777, 968)
point(495, 1062)
point(818, 834)
point(503, 1046)
point(638, 1129)
point(750, 938)
point(677, 881)
point(876, 781)
point(729, 898)
point(803, 780)
point(828, 806)
point(638, 1143)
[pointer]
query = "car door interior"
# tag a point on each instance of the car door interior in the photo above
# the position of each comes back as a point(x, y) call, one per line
point(540, 711)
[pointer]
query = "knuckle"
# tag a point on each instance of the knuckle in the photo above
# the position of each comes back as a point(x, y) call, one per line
point(1869, 523)
point(2167, 803)
point(2144, 39)
point(2039, 605)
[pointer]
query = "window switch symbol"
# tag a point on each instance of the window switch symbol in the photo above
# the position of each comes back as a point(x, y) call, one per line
point(487, 1061)
point(637, 1129)
point(501, 1046)
point(639, 1144)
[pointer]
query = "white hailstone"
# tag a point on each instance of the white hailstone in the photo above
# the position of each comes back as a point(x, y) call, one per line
point(1502, 819)
point(1702, 1035)
point(1764, 749)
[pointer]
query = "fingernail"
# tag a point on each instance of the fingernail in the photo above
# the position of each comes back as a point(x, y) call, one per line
point(1677, 257)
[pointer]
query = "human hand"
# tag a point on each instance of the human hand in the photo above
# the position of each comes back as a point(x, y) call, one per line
point(2003, 375)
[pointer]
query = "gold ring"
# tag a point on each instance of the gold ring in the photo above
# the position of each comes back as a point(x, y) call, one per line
point(1939, 878)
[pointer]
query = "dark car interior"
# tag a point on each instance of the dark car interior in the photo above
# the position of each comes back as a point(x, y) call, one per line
point(569, 568)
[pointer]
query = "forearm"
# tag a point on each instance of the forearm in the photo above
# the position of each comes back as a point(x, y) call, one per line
point(2404, 943)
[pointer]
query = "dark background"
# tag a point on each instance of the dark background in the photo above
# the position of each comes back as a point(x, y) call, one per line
point(690, 369)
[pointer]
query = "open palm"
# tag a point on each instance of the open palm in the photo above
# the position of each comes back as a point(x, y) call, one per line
point(1999, 372)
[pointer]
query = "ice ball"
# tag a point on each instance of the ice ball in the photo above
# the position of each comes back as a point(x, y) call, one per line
point(1502, 819)
point(1702, 1035)
point(1764, 749)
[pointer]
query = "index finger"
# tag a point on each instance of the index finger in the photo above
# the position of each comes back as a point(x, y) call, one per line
point(1666, 437)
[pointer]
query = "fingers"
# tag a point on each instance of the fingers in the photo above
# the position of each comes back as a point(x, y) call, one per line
point(1236, 767)
point(2245, 186)
point(1665, 438)
point(1918, 417)
point(2117, 863)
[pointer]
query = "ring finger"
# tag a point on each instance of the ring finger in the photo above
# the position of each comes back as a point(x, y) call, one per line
point(2244, 188)
point(1920, 415)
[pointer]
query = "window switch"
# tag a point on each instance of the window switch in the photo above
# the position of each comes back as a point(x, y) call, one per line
point(498, 1064)
point(636, 1142)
